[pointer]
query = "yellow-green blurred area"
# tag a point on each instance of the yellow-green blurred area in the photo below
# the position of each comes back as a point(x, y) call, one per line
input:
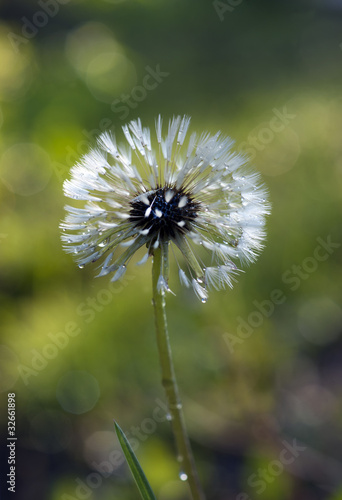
point(259, 366)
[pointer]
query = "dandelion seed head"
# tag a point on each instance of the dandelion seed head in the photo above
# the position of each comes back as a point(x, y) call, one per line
point(197, 196)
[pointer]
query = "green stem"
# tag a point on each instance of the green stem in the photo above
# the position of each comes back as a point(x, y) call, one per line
point(185, 457)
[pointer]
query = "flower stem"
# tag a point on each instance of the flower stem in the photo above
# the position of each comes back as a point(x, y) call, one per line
point(169, 382)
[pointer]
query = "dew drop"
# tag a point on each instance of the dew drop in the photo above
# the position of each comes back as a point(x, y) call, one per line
point(169, 417)
point(81, 266)
point(179, 406)
point(204, 300)
point(183, 476)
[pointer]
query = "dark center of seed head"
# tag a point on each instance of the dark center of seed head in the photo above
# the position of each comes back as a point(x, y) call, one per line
point(165, 212)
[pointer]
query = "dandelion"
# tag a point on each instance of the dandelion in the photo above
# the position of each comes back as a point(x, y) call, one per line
point(196, 197)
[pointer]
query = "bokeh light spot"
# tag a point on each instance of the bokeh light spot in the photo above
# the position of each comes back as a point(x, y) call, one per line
point(313, 405)
point(110, 74)
point(78, 392)
point(99, 446)
point(100, 61)
point(9, 362)
point(320, 320)
point(25, 169)
point(15, 68)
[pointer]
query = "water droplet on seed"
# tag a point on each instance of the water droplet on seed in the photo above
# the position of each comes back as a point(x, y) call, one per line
point(183, 476)
point(204, 300)
point(168, 417)
point(81, 266)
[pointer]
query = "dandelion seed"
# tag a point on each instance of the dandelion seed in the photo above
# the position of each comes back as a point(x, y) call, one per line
point(197, 196)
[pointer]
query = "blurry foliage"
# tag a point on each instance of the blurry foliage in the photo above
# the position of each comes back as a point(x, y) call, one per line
point(56, 93)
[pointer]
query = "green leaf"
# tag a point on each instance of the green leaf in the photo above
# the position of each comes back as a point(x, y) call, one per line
point(138, 474)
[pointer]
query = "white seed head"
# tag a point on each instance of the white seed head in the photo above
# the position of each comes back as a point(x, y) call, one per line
point(196, 195)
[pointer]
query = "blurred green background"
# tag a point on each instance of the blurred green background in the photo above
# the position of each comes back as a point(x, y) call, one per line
point(260, 367)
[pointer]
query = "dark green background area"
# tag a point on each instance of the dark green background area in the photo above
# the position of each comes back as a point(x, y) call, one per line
point(259, 366)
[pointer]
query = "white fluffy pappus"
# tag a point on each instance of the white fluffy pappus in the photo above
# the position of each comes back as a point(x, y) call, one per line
point(196, 196)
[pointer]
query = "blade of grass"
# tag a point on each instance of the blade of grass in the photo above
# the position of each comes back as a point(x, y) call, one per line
point(137, 472)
